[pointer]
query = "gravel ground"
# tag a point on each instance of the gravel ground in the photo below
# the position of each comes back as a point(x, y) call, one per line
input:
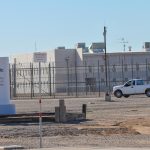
point(109, 124)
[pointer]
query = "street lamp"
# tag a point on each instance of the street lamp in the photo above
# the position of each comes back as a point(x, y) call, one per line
point(107, 92)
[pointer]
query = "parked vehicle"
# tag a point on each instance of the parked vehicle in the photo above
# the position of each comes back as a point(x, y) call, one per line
point(132, 87)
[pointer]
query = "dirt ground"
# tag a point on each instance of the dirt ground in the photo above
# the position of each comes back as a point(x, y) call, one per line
point(123, 122)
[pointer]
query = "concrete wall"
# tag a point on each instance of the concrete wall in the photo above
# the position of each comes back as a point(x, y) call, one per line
point(67, 73)
point(82, 66)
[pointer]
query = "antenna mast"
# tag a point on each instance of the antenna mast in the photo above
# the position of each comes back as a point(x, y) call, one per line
point(124, 43)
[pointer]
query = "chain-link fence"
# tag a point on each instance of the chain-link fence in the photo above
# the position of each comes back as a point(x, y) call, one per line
point(78, 81)
point(58, 82)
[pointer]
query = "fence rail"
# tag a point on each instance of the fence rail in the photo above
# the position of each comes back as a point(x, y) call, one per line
point(79, 81)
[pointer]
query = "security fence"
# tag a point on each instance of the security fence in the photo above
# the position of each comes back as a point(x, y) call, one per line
point(78, 81)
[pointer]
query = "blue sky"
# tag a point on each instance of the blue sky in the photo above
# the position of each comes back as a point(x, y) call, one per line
point(53, 23)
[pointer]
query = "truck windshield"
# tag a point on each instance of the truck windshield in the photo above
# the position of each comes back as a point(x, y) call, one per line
point(129, 83)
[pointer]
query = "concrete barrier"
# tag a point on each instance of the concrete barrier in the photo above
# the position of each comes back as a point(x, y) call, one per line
point(60, 112)
point(11, 147)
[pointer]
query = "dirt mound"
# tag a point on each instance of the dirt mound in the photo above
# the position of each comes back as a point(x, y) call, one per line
point(140, 125)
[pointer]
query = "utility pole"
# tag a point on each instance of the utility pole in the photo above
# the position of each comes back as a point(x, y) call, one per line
point(105, 57)
point(107, 92)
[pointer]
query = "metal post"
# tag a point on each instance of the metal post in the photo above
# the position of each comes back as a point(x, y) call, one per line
point(107, 94)
point(10, 81)
point(76, 78)
point(31, 69)
point(105, 58)
point(122, 73)
point(33, 79)
point(84, 110)
point(86, 77)
point(132, 63)
point(50, 89)
point(40, 103)
point(53, 81)
point(98, 79)
point(108, 76)
point(146, 71)
point(67, 63)
point(14, 75)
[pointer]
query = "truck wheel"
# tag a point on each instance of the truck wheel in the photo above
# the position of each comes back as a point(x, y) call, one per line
point(126, 96)
point(118, 94)
point(147, 92)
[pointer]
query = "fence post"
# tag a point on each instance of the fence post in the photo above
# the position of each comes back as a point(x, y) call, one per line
point(84, 106)
point(132, 64)
point(53, 82)
point(122, 71)
point(98, 80)
point(14, 78)
point(67, 63)
point(146, 71)
point(10, 81)
point(50, 90)
point(31, 69)
point(108, 73)
point(76, 77)
point(86, 78)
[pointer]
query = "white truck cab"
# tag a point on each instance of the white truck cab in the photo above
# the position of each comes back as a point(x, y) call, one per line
point(131, 87)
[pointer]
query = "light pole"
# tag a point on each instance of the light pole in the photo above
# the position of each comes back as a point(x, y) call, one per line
point(107, 92)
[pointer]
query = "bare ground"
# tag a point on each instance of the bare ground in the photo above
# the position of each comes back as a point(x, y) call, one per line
point(120, 123)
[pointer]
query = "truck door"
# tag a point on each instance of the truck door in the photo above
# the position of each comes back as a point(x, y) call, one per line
point(129, 87)
point(140, 87)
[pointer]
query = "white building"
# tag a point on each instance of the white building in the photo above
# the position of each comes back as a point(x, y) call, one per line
point(81, 67)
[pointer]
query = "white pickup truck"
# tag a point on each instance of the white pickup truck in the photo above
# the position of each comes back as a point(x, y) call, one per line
point(132, 87)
